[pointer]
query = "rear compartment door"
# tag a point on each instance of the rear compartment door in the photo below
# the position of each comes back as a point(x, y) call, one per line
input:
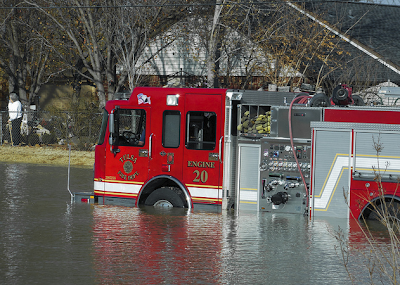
point(202, 168)
point(127, 163)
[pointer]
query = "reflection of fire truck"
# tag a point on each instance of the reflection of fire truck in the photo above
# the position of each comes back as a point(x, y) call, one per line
point(245, 149)
point(150, 246)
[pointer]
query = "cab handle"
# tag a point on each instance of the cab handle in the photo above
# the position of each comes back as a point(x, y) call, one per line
point(220, 149)
point(150, 145)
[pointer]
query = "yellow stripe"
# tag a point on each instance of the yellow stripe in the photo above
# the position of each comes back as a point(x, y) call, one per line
point(121, 194)
point(371, 169)
point(207, 199)
point(114, 193)
point(118, 181)
point(204, 186)
point(247, 202)
point(249, 189)
point(333, 192)
point(329, 174)
point(375, 156)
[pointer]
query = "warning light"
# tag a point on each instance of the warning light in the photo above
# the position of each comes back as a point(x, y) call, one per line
point(172, 100)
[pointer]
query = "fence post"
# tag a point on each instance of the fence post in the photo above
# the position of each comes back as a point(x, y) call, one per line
point(66, 130)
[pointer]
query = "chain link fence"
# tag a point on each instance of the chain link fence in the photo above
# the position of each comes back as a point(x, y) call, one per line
point(79, 129)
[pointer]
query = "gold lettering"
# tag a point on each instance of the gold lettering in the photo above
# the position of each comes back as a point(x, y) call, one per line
point(201, 164)
point(200, 177)
point(126, 157)
point(123, 176)
point(128, 177)
point(133, 176)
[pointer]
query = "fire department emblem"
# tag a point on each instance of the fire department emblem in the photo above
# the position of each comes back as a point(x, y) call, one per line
point(143, 99)
point(128, 166)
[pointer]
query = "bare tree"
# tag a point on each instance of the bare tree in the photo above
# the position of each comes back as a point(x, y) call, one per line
point(24, 51)
point(135, 30)
point(213, 42)
point(107, 34)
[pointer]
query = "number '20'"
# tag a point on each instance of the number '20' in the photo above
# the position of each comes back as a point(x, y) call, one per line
point(200, 176)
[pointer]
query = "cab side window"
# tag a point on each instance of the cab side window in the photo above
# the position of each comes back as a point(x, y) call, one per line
point(201, 130)
point(171, 129)
point(130, 124)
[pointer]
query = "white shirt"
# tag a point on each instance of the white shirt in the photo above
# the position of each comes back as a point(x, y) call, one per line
point(14, 110)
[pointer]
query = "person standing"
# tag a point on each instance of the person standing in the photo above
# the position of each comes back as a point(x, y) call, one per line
point(15, 114)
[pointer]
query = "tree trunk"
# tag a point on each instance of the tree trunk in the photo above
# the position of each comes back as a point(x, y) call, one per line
point(212, 46)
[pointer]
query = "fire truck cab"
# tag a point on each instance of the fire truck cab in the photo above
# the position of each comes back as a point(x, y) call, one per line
point(162, 146)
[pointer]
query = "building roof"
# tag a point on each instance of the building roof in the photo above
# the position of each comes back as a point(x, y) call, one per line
point(374, 27)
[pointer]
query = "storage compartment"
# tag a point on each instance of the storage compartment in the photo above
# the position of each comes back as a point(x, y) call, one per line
point(254, 121)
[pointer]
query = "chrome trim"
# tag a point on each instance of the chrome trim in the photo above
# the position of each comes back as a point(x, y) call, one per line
point(220, 149)
point(150, 145)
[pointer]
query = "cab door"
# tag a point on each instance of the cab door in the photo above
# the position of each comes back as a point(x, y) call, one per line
point(203, 147)
point(127, 159)
point(166, 144)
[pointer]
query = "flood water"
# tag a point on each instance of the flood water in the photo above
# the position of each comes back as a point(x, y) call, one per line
point(47, 239)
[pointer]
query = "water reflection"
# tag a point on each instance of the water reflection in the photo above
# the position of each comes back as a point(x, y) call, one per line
point(46, 239)
point(176, 246)
point(154, 247)
point(14, 200)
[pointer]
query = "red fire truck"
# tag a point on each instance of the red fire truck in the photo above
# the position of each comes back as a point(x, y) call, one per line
point(162, 147)
point(255, 150)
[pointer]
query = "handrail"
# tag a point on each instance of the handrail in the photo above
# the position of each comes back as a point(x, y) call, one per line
point(220, 149)
point(150, 145)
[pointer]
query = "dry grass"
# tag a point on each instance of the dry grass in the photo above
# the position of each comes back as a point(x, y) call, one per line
point(45, 155)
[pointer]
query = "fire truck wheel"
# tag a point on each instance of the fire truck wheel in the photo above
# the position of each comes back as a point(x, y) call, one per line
point(164, 197)
point(390, 209)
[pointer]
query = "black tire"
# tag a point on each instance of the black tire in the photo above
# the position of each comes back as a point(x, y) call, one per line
point(358, 101)
point(164, 197)
point(392, 211)
point(320, 100)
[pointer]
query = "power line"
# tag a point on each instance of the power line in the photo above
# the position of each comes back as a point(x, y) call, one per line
point(182, 5)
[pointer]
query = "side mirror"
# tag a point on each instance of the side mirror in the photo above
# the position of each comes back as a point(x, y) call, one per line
point(111, 129)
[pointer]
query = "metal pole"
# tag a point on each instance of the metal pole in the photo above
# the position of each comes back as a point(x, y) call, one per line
point(69, 171)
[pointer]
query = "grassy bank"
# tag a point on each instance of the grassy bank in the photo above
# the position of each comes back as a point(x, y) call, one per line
point(46, 155)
